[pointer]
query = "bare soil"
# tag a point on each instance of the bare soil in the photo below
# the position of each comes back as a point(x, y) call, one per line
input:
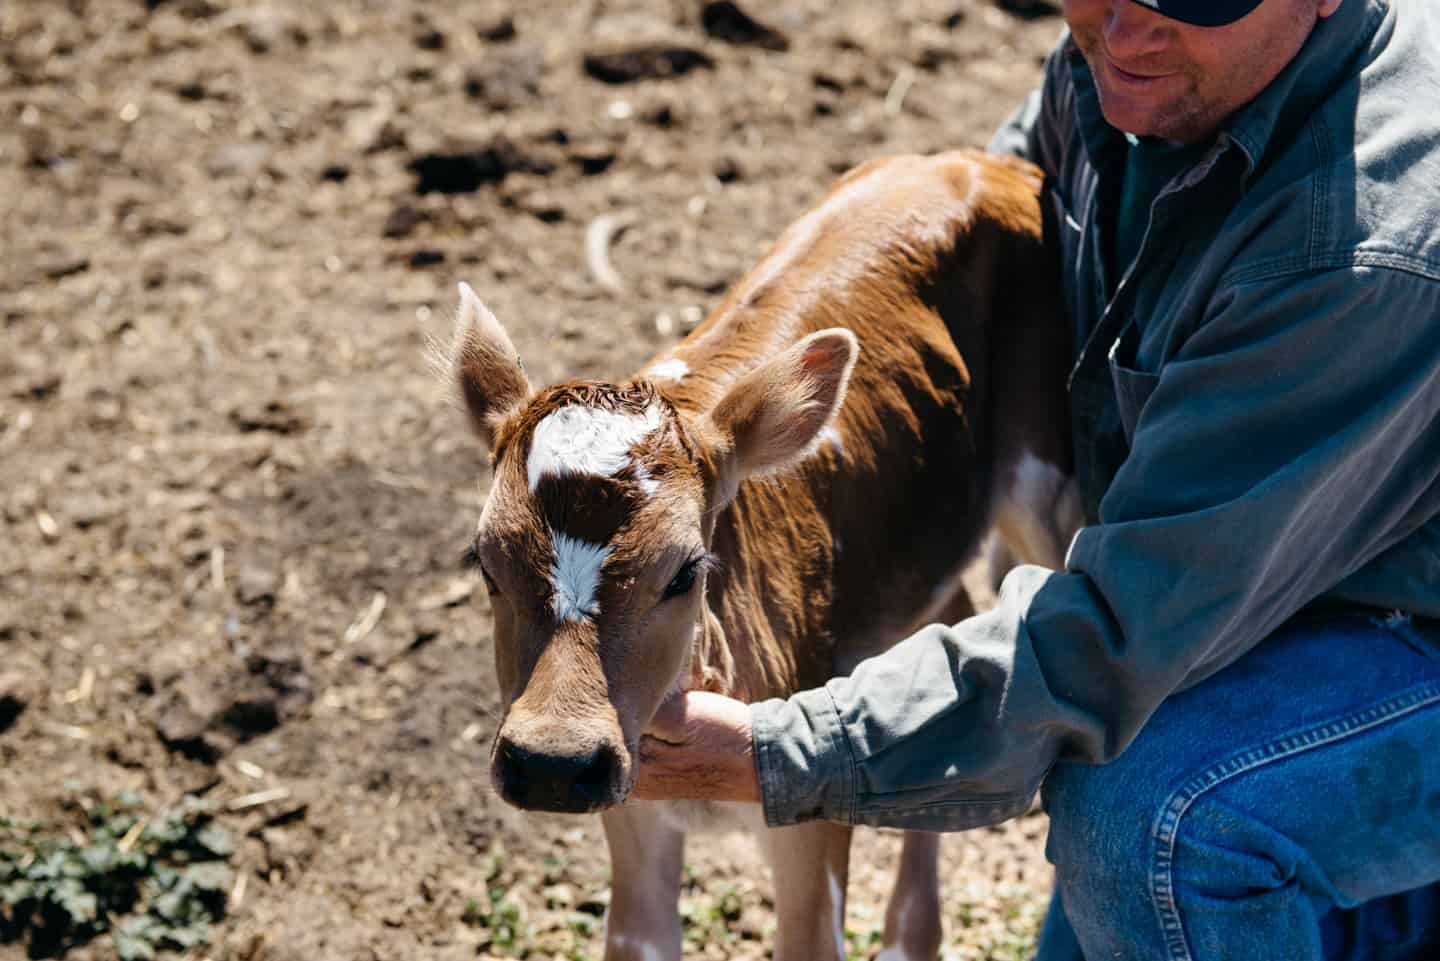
point(233, 496)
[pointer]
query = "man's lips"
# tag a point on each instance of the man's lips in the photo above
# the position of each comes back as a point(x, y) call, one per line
point(1138, 78)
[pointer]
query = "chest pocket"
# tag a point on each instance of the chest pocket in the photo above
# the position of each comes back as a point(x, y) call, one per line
point(1132, 387)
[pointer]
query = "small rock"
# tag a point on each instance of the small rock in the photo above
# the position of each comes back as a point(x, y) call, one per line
point(724, 20)
point(644, 61)
point(16, 693)
point(238, 158)
point(497, 31)
point(1029, 9)
point(182, 720)
point(426, 257)
point(253, 714)
point(336, 173)
point(430, 38)
point(467, 171)
point(63, 264)
point(275, 416)
point(266, 27)
point(593, 159)
point(256, 585)
point(542, 206)
point(507, 80)
point(87, 510)
point(727, 170)
point(374, 132)
point(402, 221)
point(39, 385)
point(457, 592)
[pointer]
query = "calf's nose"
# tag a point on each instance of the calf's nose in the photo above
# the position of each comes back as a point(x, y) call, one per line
point(562, 781)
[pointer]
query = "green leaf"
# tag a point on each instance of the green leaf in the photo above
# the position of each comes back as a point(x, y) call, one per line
point(187, 936)
point(82, 906)
point(17, 891)
point(136, 939)
point(216, 840)
point(211, 876)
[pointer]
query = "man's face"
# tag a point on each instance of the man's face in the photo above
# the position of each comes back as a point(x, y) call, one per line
point(1159, 77)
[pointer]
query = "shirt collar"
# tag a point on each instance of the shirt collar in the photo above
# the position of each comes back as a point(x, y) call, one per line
point(1272, 117)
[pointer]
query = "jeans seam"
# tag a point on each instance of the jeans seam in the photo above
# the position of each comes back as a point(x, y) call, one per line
point(1167, 824)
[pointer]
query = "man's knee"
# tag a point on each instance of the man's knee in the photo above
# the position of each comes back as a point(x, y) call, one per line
point(1100, 823)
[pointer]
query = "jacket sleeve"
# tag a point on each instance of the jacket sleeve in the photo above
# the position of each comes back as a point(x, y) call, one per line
point(1291, 439)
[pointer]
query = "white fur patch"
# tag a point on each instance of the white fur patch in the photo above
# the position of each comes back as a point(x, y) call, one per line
point(1041, 510)
point(647, 950)
point(894, 953)
point(837, 902)
point(672, 368)
point(831, 435)
point(575, 577)
point(647, 483)
point(584, 440)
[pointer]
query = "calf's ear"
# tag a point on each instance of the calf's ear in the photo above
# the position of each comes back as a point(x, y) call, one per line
point(484, 367)
point(772, 417)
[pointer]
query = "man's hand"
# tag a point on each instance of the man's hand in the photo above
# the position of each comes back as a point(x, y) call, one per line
point(698, 748)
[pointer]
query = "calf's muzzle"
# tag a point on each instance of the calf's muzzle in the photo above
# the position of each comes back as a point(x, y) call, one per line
point(565, 781)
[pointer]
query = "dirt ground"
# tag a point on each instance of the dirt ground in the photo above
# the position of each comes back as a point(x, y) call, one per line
point(233, 496)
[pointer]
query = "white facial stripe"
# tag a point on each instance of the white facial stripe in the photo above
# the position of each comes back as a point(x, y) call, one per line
point(671, 369)
point(576, 577)
point(583, 440)
point(831, 435)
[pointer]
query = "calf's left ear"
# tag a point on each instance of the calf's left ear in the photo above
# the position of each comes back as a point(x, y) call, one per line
point(485, 367)
point(772, 417)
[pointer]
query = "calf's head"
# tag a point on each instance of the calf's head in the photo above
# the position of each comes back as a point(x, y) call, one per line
point(595, 542)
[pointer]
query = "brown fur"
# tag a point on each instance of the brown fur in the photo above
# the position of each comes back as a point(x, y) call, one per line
point(939, 267)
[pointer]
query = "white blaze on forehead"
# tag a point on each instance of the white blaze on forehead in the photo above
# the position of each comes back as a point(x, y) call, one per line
point(585, 440)
point(575, 576)
point(672, 369)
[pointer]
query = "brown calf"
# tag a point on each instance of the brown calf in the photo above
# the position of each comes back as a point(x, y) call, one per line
point(791, 488)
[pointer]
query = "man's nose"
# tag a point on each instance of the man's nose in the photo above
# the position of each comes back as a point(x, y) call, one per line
point(1134, 32)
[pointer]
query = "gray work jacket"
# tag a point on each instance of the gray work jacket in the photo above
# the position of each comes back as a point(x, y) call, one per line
point(1255, 431)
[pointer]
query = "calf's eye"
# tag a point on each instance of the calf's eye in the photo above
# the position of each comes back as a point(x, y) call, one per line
point(472, 560)
point(683, 581)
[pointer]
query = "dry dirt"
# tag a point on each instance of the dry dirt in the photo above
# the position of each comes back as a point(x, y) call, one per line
point(233, 498)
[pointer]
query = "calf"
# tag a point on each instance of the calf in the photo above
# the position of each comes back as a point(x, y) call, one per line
point(764, 505)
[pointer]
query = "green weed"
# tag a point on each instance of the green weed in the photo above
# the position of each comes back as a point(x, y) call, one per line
point(156, 883)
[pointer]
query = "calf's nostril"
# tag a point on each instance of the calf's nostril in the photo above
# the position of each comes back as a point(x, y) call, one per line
point(554, 781)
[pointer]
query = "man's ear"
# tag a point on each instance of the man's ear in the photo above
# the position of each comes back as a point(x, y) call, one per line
point(485, 367)
point(772, 417)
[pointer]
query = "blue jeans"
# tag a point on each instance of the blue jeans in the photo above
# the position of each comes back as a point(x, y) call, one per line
point(1285, 809)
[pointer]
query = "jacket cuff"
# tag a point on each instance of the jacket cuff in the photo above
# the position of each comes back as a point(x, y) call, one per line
point(803, 759)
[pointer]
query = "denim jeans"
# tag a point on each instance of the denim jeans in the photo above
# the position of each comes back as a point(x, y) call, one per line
point(1285, 809)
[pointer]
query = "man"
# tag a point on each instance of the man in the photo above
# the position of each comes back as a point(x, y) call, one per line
point(1232, 693)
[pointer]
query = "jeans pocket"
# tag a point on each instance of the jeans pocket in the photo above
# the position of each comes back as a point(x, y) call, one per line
point(1421, 635)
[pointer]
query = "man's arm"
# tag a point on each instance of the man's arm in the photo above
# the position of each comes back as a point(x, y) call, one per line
point(1294, 437)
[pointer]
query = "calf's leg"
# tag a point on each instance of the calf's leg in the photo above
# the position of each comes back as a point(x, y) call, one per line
point(810, 864)
point(912, 921)
point(646, 858)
